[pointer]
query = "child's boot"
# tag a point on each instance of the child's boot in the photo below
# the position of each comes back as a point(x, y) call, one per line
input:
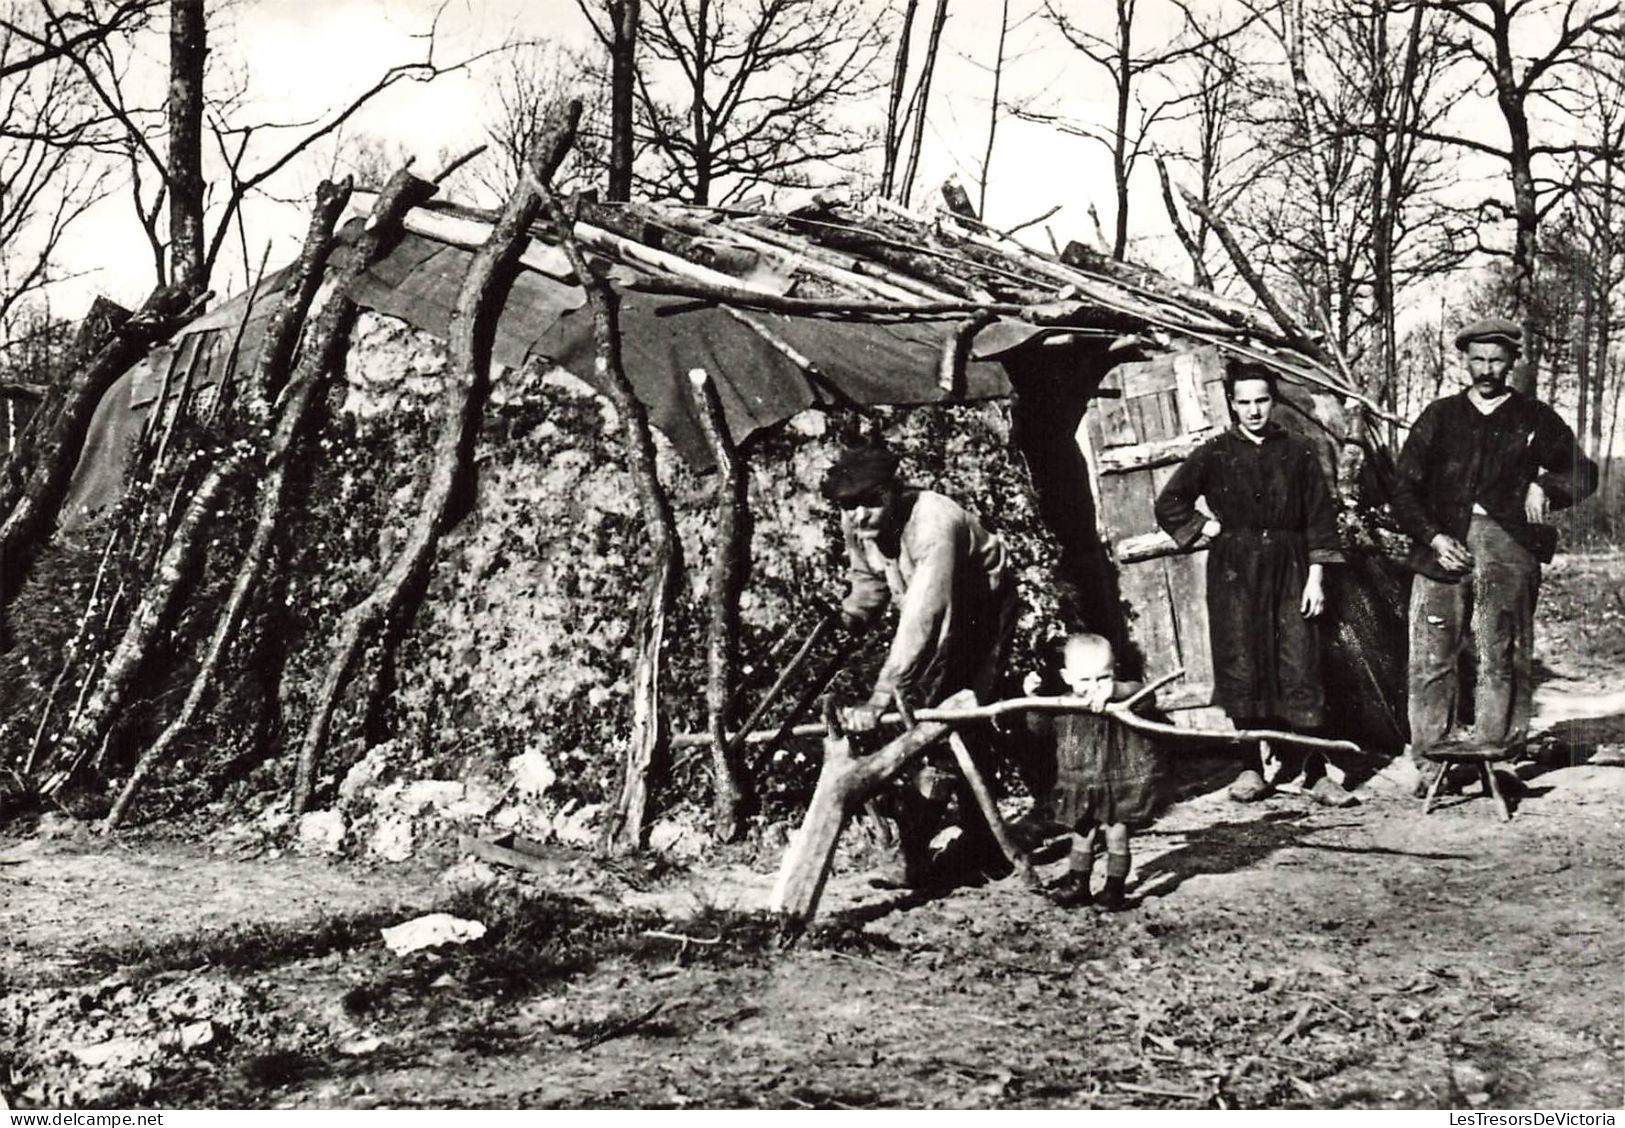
point(1111, 895)
point(1072, 891)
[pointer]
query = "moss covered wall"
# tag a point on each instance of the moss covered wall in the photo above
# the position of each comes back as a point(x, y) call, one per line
point(512, 689)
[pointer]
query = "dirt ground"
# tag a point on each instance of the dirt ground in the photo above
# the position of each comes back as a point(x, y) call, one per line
point(1278, 955)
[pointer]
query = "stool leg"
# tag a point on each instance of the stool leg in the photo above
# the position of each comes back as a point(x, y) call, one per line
point(1433, 788)
point(1494, 788)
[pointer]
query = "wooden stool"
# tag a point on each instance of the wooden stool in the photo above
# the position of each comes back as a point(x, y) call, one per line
point(1480, 755)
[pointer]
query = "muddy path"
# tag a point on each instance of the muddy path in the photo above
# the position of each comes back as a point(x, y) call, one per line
point(1277, 955)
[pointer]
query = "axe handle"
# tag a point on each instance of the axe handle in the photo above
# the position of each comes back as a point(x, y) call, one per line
point(791, 668)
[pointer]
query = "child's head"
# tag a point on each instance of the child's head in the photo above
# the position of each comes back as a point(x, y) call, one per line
point(1086, 660)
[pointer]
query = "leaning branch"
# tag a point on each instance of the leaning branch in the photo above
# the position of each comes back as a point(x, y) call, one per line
point(34, 514)
point(647, 741)
point(1250, 275)
point(389, 609)
point(326, 337)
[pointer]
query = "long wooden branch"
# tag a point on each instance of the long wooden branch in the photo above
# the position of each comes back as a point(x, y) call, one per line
point(647, 741)
point(728, 569)
point(1250, 275)
point(1186, 239)
point(757, 299)
point(392, 604)
point(326, 340)
point(34, 513)
point(1061, 705)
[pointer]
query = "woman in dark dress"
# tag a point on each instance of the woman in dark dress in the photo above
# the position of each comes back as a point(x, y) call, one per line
point(1272, 530)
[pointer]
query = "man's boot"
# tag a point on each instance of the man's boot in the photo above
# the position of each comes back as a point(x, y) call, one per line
point(1249, 787)
point(910, 864)
point(1329, 793)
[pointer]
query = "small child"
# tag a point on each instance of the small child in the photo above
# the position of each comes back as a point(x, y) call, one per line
point(1107, 775)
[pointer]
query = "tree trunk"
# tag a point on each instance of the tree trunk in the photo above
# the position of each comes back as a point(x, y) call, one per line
point(33, 516)
point(623, 18)
point(1120, 163)
point(647, 741)
point(895, 126)
point(728, 571)
point(1525, 206)
point(391, 606)
point(327, 339)
point(992, 110)
point(188, 47)
point(922, 99)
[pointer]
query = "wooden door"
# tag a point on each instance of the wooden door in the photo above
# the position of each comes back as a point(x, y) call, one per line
point(1148, 417)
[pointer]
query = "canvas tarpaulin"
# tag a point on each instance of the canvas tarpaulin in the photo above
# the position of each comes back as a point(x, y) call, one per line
point(191, 364)
point(663, 338)
point(766, 366)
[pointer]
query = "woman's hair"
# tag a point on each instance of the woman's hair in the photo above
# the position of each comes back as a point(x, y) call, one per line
point(1238, 370)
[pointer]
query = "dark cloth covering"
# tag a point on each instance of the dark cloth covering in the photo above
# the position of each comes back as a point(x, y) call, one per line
point(1105, 772)
point(1456, 456)
point(1277, 518)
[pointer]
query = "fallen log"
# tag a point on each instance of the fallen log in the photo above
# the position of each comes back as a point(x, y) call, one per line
point(844, 782)
point(392, 604)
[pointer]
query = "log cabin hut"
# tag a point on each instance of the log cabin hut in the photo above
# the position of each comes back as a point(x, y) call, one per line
point(1113, 374)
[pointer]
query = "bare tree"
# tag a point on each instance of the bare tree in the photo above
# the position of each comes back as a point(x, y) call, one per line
point(1133, 66)
point(523, 93)
point(200, 152)
point(50, 173)
point(615, 23)
point(1598, 202)
point(1221, 173)
point(914, 119)
point(733, 94)
point(1527, 53)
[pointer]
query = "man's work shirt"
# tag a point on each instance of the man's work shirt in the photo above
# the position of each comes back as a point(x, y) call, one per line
point(1458, 458)
point(952, 584)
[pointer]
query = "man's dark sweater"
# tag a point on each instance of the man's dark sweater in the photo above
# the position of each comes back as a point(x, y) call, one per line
point(1457, 456)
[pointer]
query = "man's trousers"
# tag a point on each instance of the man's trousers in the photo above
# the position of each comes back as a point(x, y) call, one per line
point(1497, 601)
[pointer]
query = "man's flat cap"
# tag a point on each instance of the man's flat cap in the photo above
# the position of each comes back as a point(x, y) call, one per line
point(858, 470)
point(1497, 329)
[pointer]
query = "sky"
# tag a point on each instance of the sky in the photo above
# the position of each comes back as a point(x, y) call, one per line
point(299, 59)
point(302, 58)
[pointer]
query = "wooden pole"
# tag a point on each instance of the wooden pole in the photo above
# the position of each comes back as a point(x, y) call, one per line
point(728, 571)
point(647, 743)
